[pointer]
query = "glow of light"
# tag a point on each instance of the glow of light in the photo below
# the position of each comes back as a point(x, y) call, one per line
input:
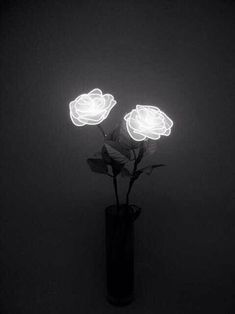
point(147, 122)
point(91, 108)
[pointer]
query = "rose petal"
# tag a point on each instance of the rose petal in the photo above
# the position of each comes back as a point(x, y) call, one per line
point(134, 114)
point(91, 113)
point(95, 91)
point(84, 102)
point(111, 105)
point(150, 135)
point(157, 124)
point(98, 103)
point(81, 109)
point(127, 116)
point(153, 113)
point(159, 131)
point(142, 112)
point(154, 120)
point(72, 108)
point(76, 99)
point(93, 116)
point(82, 96)
point(135, 136)
point(130, 114)
point(167, 133)
point(76, 121)
point(138, 108)
point(168, 121)
point(135, 123)
point(152, 108)
point(90, 121)
point(108, 98)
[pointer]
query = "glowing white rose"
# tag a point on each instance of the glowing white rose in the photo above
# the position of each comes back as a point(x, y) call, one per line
point(91, 108)
point(147, 122)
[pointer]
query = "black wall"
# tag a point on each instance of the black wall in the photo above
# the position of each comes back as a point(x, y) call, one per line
point(175, 54)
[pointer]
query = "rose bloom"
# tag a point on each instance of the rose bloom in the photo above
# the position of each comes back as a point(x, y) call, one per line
point(91, 108)
point(147, 122)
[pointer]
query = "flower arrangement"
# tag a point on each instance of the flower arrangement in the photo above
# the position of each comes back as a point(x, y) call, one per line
point(124, 147)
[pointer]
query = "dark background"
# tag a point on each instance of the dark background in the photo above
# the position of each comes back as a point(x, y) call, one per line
point(175, 54)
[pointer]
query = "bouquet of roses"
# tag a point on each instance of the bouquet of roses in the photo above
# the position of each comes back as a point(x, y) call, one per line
point(124, 147)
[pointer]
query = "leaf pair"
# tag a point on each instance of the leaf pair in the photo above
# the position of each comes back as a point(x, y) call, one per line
point(147, 170)
point(117, 152)
point(113, 154)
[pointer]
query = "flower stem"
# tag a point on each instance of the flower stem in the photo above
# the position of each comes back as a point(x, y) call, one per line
point(132, 179)
point(101, 130)
point(113, 176)
point(116, 190)
point(129, 190)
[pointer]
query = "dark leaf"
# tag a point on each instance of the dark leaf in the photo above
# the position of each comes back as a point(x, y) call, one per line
point(148, 170)
point(117, 152)
point(116, 167)
point(125, 172)
point(97, 165)
point(105, 156)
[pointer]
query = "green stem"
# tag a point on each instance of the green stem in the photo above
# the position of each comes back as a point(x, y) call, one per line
point(113, 176)
point(132, 180)
point(116, 190)
point(129, 190)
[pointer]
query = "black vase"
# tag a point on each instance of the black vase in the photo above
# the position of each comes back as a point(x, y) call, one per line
point(119, 236)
